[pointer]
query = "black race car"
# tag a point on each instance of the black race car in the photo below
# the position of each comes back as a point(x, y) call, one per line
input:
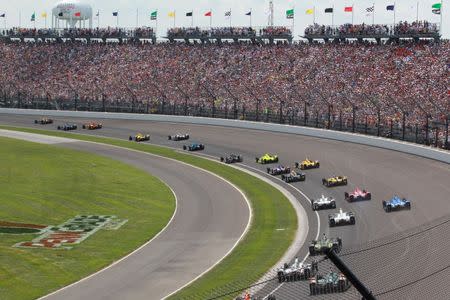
point(67, 127)
point(194, 147)
point(43, 121)
point(279, 170)
point(232, 158)
point(293, 177)
point(178, 137)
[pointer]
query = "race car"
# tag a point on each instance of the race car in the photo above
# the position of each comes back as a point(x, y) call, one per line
point(319, 247)
point(330, 283)
point(293, 177)
point(267, 159)
point(92, 125)
point(358, 195)
point(178, 137)
point(248, 296)
point(334, 181)
point(232, 158)
point(279, 170)
point(67, 127)
point(297, 271)
point(396, 203)
point(307, 164)
point(44, 121)
point(323, 203)
point(341, 218)
point(139, 137)
point(194, 147)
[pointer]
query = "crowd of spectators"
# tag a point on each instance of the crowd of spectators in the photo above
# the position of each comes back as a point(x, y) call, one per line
point(227, 32)
point(103, 33)
point(410, 79)
point(402, 28)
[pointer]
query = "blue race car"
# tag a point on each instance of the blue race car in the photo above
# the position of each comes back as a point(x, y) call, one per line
point(68, 126)
point(194, 147)
point(396, 203)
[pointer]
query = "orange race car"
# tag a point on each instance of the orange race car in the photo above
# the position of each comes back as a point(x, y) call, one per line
point(92, 125)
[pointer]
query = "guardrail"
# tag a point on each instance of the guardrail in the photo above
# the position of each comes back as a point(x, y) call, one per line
point(405, 147)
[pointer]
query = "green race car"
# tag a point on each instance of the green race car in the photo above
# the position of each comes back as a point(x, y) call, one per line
point(267, 159)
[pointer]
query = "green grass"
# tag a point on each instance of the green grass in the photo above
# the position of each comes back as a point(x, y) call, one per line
point(43, 184)
point(263, 245)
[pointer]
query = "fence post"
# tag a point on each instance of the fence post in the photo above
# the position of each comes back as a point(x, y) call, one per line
point(354, 118)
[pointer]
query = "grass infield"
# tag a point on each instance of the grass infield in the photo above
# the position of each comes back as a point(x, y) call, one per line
point(263, 245)
point(48, 185)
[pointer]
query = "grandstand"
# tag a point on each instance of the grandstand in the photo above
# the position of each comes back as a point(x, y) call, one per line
point(397, 90)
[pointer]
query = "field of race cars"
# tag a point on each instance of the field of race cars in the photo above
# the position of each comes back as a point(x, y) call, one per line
point(362, 187)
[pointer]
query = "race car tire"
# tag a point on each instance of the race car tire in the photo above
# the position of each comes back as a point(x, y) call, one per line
point(324, 182)
point(368, 196)
point(312, 251)
point(352, 220)
point(268, 170)
point(256, 159)
point(35, 121)
point(388, 208)
point(84, 126)
point(221, 159)
point(332, 223)
point(184, 147)
point(384, 204)
point(345, 182)
point(169, 137)
point(130, 138)
point(408, 205)
point(296, 164)
point(333, 204)
point(318, 164)
point(315, 206)
point(271, 297)
point(312, 289)
point(276, 160)
point(307, 273)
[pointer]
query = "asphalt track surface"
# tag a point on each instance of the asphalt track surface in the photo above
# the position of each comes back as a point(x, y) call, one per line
point(382, 172)
point(199, 234)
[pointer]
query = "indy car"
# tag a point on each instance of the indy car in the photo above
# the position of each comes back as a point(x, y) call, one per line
point(307, 164)
point(67, 127)
point(294, 176)
point(178, 137)
point(396, 203)
point(297, 271)
point(334, 181)
point(232, 158)
point(92, 125)
point(267, 159)
point(279, 170)
point(139, 137)
point(341, 218)
point(194, 147)
point(358, 195)
point(330, 283)
point(323, 203)
point(44, 121)
point(248, 296)
point(319, 247)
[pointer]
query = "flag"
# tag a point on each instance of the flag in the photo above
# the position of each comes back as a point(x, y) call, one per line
point(249, 13)
point(3, 16)
point(154, 15)
point(310, 11)
point(228, 14)
point(171, 14)
point(370, 9)
point(189, 14)
point(116, 14)
point(290, 14)
point(208, 14)
point(77, 14)
point(390, 7)
point(436, 8)
point(33, 17)
point(348, 9)
point(44, 15)
point(329, 10)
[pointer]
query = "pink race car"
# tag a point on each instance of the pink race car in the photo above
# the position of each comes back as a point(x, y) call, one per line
point(358, 195)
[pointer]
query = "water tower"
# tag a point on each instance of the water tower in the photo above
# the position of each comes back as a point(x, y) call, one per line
point(72, 14)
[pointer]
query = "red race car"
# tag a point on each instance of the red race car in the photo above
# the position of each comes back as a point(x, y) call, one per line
point(92, 125)
point(358, 195)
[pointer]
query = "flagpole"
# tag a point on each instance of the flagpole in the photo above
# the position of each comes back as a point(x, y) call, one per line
point(352, 12)
point(210, 18)
point(314, 15)
point(373, 14)
point(332, 17)
point(395, 8)
point(440, 25)
point(417, 12)
point(250, 18)
point(137, 17)
point(20, 18)
point(174, 18)
point(230, 17)
point(192, 18)
point(98, 18)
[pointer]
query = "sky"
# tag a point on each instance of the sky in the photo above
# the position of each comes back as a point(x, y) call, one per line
point(137, 12)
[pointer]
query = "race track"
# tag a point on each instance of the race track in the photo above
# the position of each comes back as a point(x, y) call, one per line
point(383, 172)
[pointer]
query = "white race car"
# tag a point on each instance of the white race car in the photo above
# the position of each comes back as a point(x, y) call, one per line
point(297, 271)
point(341, 218)
point(323, 203)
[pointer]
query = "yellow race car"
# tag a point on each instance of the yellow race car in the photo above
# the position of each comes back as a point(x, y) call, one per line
point(308, 164)
point(140, 137)
point(334, 181)
point(267, 159)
